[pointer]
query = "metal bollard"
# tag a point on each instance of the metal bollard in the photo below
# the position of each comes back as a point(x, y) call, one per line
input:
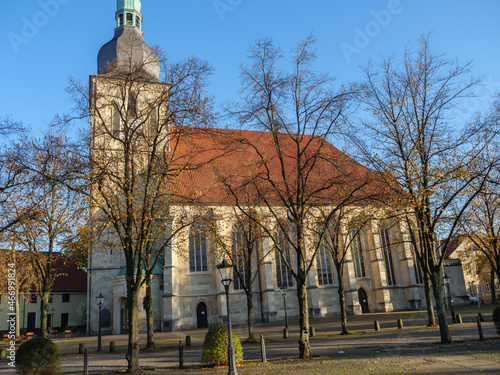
point(312, 331)
point(188, 341)
point(263, 348)
point(285, 333)
point(459, 319)
point(400, 323)
point(480, 329)
point(85, 362)
point(377, 325)
point(181, 355)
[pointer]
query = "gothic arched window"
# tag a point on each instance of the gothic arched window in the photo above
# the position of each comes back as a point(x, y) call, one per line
point(116, 120)
point(132, 105)
point(324, 265)
point(240, 253)
point(357, 254)
point(388, 254)
point(419, 277)
point(197, 249)
point(283, 275)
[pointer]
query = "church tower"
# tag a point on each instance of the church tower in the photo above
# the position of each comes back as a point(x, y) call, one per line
point(127, 97)
point(129, 132)
point(127, 49)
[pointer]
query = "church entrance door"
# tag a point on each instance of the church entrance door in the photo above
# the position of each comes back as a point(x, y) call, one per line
point(201, 315)
point(363, 301)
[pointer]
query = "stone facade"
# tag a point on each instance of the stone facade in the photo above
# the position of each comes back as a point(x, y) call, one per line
point(182, 297)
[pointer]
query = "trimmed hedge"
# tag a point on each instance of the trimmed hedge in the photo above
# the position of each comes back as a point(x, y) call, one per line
point(38, 356)
point(496, 319)
point(215, 347)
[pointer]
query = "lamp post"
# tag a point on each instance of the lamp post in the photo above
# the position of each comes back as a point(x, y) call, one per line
point(100, 302)
point(446, 279)
point(283, 293)
point(225, 270)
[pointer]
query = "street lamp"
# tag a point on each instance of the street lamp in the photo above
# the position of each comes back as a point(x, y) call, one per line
point(446, 279)
point(100, 302)
point(283, 293)
point(225, 270)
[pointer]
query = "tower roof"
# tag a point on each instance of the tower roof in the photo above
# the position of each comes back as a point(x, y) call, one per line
point(129, 4)
point(127, 50)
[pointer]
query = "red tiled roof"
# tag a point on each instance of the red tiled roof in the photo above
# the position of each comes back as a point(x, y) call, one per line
point(69, 279)
point(214, 159)
point(454, 243)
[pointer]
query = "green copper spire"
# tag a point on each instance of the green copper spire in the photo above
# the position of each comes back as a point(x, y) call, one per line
point(128, 13)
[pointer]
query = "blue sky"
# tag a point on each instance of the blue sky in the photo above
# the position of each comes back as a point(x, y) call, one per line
point(44, 42)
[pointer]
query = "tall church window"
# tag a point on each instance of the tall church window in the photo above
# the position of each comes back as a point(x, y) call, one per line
point(197, 249)
point(132, 105)
point(283, 274)
point(240, 258)
point(138, 21)
point(153, 122)
point(357, 254)
point(419, 276)
point(324, 265)
point(120, 20)
point(116, 120)
point(388, 255)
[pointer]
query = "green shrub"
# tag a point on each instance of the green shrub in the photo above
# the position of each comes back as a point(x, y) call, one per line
point(496, 319)
point(215, 347)
point(38, 356)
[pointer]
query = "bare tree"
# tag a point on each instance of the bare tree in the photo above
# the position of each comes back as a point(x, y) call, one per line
point(137, 122)
point(409, 219)
point(77, 247)
point(340, 234)
point(415, 142)
point(11, 173)
point(292, 171)
point(54, 210)
point(242, 244)
point(482, 226)
point(23, 278)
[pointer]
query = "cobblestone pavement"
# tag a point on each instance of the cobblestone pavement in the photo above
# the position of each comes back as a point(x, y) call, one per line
point(389, 343)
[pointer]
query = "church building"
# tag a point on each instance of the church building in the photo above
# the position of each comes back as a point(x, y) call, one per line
point(381, 271)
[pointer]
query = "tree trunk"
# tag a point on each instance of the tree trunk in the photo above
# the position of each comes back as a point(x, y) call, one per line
point(304, 347)
point(44, 309)
point(441, 313)
point(431, 320)
point(148, 302)
point(133, 331)
point(250, 313)
point(343, 312)
point(492, 286)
